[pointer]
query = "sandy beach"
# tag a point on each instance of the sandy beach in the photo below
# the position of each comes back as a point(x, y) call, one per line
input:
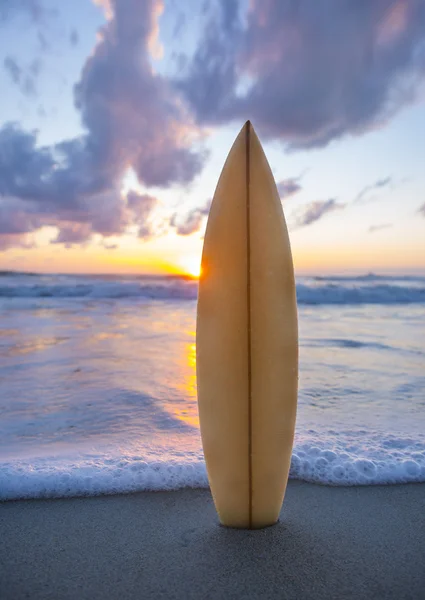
point(358, 542)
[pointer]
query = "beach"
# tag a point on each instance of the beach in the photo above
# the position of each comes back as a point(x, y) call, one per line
point(102, 475)
point(330, 542)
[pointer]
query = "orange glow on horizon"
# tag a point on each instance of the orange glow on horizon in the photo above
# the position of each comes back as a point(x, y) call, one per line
point(190, 265)
point(346, 250)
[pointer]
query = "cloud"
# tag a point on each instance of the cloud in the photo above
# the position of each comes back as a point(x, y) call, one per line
point(142, 207)
point(12, 240)
point(55, 186)
point(192, 221)
point(73, 233)
point(381, 183)
point(132, 117)
point(14, 70)
point(421, 210)
point(288, 187)
point(23, 78)
point(49, 175)
point(315, 211)
point(307, 74)
point(374, 228)
point(16, 218)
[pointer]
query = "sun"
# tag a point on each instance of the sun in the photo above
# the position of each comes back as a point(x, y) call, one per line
point(191, 265)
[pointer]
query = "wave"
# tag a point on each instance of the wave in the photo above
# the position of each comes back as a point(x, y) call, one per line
point(179, 290)
point(348, 343)
point(370, 277)
point(176, 289)
point(343, 459)
point(360, 294)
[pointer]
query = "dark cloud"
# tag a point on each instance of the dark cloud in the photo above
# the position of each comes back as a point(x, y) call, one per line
point(74, 38)
point(288, 187)
point(133, 118)
point(191, 221)
point(374, 228)
point(381, 183)
point(306, 72)
point(421, 210)
point(315, 211)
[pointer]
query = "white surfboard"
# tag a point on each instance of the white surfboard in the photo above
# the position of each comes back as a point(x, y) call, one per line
point(247, 341)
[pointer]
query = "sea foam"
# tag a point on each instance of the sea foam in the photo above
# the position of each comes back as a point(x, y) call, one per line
point(350, 461)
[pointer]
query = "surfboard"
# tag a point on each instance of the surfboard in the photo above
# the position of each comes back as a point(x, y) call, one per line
point(247, 341)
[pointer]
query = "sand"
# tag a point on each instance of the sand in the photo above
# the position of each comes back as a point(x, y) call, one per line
point(358, 542)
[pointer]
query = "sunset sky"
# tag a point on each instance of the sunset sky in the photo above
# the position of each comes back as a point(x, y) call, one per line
point(116, 118)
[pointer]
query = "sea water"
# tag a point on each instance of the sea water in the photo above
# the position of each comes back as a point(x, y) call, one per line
point(98, 384)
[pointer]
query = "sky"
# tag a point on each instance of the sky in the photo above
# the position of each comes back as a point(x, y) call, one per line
point(117, 116)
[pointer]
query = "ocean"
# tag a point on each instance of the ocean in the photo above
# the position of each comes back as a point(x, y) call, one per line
point(98, 383)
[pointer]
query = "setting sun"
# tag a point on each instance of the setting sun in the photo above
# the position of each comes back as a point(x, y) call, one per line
point(191, 265)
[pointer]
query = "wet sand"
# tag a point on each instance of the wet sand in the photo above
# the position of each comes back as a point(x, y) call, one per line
point(358, 542)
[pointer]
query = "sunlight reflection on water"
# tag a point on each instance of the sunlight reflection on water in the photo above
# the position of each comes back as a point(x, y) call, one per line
point(127, 371)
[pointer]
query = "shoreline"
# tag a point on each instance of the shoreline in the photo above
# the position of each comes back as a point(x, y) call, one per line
point(330, 542)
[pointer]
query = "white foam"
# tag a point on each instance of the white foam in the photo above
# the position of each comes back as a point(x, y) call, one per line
point(95, 475)
point(355, 461)
point(352, 459)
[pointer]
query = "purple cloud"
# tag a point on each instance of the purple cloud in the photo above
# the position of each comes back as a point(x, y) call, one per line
point(142, 207)
point(132, 115)
point(311, 73)
point(305, 74)
point(12, 240)
point(72, 234)
point(315, 211)
point(133, 118)
point(381, 183)
point(16, 218)
point(192, 221)
point(288, 187)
